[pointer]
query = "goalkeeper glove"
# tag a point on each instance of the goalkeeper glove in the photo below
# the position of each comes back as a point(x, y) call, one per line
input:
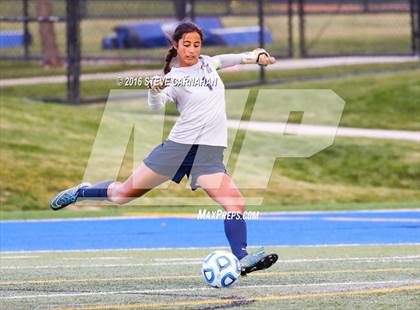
point(156, 84)
point(258, 56)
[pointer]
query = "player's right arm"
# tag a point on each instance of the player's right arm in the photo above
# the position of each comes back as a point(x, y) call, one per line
point(159, 94)
point(258, 56)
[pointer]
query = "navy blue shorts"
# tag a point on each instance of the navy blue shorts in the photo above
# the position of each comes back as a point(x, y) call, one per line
point(177, 160)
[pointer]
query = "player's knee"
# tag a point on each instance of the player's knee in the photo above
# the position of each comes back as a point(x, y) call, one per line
point(242, 206)
point(242, 203)
point(236, 205)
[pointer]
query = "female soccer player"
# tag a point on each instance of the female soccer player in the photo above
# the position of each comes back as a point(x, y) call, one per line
point(195, 144)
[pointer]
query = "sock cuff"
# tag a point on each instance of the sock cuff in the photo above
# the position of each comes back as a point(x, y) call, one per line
point(99, 190)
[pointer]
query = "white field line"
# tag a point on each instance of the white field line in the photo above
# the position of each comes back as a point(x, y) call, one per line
point(177, 259)
point(355, 259)
point(98, 258)
point(280, 65)
point(195, 289)
point(196, 262)
point(18, 257)
point(97, 266)
point(215, 248)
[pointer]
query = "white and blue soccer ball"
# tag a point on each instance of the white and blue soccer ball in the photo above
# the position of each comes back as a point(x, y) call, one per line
point(221, 269)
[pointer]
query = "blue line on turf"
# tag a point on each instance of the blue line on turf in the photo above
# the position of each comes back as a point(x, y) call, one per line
point(288, 229)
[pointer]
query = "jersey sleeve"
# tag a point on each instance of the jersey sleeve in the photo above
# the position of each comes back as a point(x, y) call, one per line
point(226, 60)
point(157, 100)
point(170, 93)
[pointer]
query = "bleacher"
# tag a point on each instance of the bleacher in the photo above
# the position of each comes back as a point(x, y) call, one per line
point(15, 38)
point(158, 34)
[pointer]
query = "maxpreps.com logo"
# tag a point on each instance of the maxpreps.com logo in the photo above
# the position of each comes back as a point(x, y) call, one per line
point(204, 214)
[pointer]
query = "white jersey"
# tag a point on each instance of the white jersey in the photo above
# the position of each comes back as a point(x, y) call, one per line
point(199, 95)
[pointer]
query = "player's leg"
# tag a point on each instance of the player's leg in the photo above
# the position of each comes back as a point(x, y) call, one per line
point(221, 188)
point(142, 180)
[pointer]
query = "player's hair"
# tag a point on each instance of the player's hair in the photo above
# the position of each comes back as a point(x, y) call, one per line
point(180, 30)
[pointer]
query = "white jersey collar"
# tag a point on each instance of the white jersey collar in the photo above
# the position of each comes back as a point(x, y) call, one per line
point(189, 68)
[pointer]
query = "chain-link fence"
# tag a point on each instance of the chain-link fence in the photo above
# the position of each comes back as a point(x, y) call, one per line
point(102, 19)
point(357, 27)
point(136, 30)
point(319, 27)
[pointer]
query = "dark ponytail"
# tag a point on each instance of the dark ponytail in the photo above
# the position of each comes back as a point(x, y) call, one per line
point(180, 30)
point(171, 54)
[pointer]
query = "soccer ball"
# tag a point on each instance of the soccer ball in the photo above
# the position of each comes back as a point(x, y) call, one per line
point(221, 269)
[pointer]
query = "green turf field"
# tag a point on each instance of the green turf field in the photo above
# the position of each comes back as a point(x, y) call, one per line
point(342, 277)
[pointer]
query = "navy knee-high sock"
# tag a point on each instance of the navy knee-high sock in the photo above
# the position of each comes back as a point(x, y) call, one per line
point(97, 191)
point(235, 230)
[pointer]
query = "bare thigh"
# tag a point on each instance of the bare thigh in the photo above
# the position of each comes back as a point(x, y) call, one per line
point(221, 188)
point(142, 180)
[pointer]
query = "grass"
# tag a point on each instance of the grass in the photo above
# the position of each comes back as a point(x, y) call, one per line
point(384, 100)
point(304, 277)
point(21, 69)
point(389, 101)
point(36, 139)
point(357, 33)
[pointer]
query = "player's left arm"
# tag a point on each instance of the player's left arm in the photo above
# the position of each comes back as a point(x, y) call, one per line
point(258, 56)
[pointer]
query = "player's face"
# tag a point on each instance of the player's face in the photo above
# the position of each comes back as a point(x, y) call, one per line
point(189, 48)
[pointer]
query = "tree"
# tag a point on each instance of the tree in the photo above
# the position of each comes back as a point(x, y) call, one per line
point(49, 48)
